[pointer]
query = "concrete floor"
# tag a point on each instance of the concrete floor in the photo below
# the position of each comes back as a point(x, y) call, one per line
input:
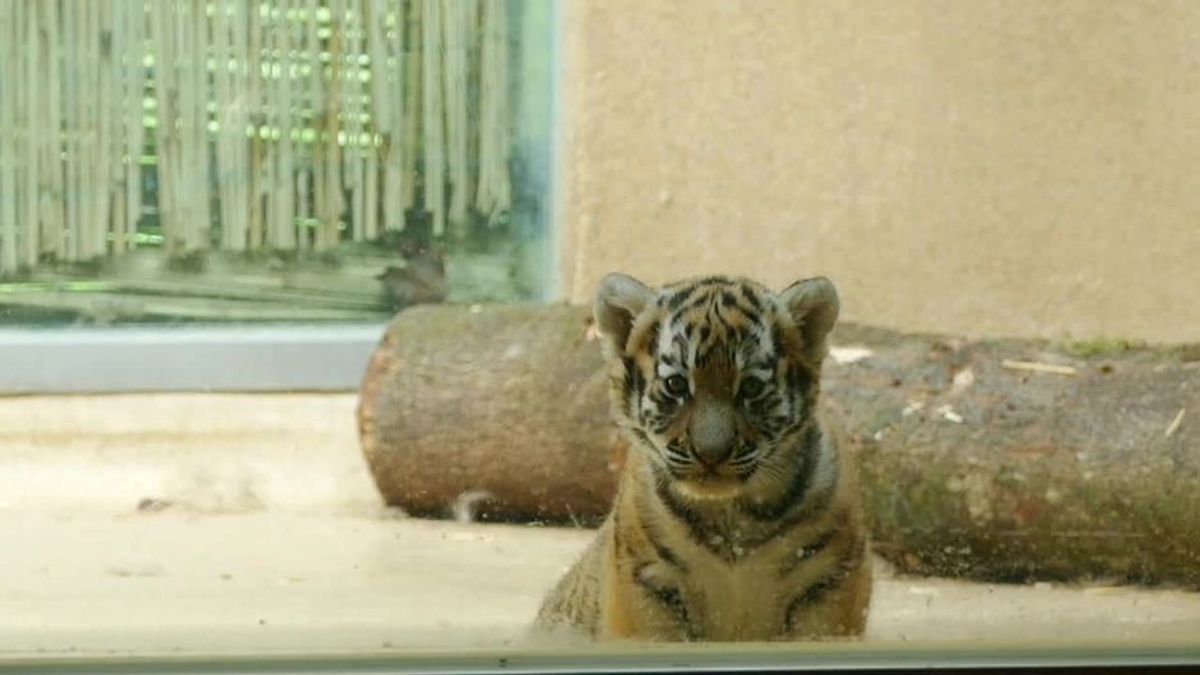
point(259, 531)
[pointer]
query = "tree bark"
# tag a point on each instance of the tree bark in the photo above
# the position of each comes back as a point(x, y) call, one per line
point(504, 408)
point(996, 459)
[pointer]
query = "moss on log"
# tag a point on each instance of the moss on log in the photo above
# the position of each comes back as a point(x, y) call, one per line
point(1015, 460)
point(1003, 460)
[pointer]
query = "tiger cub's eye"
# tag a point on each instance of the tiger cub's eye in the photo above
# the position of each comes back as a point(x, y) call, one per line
point(751, 387)
point(677, 385)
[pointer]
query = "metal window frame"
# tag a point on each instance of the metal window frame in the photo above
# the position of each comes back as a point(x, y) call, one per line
point(165, 359)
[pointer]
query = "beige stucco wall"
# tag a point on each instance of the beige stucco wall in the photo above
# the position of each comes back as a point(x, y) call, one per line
point(988, 168)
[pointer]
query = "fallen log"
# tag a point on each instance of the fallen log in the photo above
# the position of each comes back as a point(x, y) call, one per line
point(1002, 460)
point(496, 414)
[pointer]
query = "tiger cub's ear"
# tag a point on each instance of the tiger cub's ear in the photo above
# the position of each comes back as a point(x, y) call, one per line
point(814, 306)
point(619, 300)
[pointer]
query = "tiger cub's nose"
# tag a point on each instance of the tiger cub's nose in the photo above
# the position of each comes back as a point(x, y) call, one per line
point(713, 428)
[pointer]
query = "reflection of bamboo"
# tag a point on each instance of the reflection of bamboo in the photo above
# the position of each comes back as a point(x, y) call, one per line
point(494, 194)
point(51, 181)
point(431, 90)
point(456, 28)
point(73, 132)
point(34, 122)
point(99, 138)
point(387, 114)
point(283, 203)
point(134, 21)
point(352, 168)
point(412, 66)
point(85, 134)
point(269, 116)
point(224, 105)
point(230, 46)
point(69, 107)
point(331, 212)
point(250, 44)
point(165, 133)
point(192, 171)
point(314, 178)
point(101, 135)
point(99, 91)
point(8, 135)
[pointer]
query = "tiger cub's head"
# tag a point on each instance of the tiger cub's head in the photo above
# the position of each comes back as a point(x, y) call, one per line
point(716, 378)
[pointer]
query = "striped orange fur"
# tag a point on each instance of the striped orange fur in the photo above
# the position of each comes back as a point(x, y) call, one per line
point(737, 515)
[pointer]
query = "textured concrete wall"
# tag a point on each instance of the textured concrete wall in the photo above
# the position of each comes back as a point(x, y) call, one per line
point(990, 168)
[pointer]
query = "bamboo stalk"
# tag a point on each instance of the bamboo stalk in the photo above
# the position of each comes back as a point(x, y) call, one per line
point(283, 196)
point(456, 27)
point(432, 113)
point(494, 193)
point(102, 131)
point(33, 126)
point(119, 48)
point(118, 25)
point(388, 66)
point(229, 86)
point(226, 159)
point(351, 106)
point(72, 192)
point(136, 131)
point(413, 102)
point(8, 169)
point(271, 123)
point(315, 179)
point(224, 111)
point(384, 116)
point(94, 222)
point(200, 152)
point(82, 196)
point(51, 181)
point(333, 206)
point(371, 196)
point(162, 38)
point(258, 145)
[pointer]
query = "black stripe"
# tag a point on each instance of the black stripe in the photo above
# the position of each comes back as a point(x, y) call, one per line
point(667, 555)
point(631, 372)
point(812, 548)
point(752, 299)
point(807, 510)
point(669, 598)
point(799, 379)
point(696, 528)
point(794, 495)
point(677, 300)
point(641, 436)
point(849, 561)
point(777, 342)
point(652, 341)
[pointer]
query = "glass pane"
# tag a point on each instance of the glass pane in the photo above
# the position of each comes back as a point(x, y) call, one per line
point(298, 161)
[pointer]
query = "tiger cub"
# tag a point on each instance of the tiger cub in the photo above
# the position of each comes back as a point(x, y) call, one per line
point(736, 517)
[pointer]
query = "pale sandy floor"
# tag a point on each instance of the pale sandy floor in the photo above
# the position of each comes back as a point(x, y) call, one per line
point(274, 542)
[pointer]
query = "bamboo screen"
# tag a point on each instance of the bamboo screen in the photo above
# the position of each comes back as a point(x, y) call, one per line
point(284, 125)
